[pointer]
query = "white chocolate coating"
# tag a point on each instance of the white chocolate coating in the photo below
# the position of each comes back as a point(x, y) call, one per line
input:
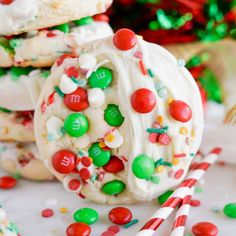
point(5, 227)
point(127, 78)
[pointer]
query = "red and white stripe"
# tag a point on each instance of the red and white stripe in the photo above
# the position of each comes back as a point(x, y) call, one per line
point(182, 191)
point(181, 215)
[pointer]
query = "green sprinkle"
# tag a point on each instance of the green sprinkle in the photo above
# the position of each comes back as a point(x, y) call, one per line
point(131, 223)
point(74, 80)
point(150, 72)
point(166, 164)
point(17, 175)
point(155, 179)
point(198, 189)
point(15, 43)
point(45, 74)
point(84, 21)
point(2, 109)
point(163, 198)
point(60, 93)
point(63, 27)
point(156, 130)
point(158, 162)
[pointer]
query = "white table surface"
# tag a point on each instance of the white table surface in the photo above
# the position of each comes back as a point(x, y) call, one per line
point(25, 202)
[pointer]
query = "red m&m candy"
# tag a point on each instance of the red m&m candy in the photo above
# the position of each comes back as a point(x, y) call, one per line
point(180, 111)
point(64, 161)
point(124, 39)
point(205, 229)
point(7, 182)
point(143, 100)
point(72, 72)
point(120, 215)
point(6, 2)
point(77, 101)
point(78, 229)
point(114, 165)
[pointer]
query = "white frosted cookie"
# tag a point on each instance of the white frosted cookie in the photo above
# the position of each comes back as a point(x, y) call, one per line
point(6, 227)
point(17, 16)
point(22, 160)
point(16, 126)
point(124, 124)
point(42, 48)
point(20, 87)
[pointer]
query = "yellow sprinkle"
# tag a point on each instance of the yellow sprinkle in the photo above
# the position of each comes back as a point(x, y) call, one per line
point(183, 130)
point(170, 99)
point(175, 162)
point(63, 210)
point(102, 145)
point(160, 119)
point(193, 133)
point(160, 169)
point(110, 138)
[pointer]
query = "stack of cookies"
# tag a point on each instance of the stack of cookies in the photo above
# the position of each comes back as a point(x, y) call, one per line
point(33, 35)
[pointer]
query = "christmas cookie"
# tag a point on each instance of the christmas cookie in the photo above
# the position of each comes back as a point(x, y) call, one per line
point(42, 48)
point(7, 228)
point(124, 123)
point(16, 126)
point(17, 16)
point(20, 87)
point(22, 160)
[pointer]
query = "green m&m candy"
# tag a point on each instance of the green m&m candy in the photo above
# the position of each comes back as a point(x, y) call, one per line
point(113, 187)
point(84, 21)
point(86, 215)
point(63, 27)
point(76, 125)
point(101, 78)
point(113, 116)
point(230, 210)
point(100, 157)
point(143, 167)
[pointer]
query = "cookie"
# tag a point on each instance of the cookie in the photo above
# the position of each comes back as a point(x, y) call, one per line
point(6, 227)
point(20, 87)
point(18, 16)
point(124, 123)
point(42, 48)
point(16, 126)
point(22, 160)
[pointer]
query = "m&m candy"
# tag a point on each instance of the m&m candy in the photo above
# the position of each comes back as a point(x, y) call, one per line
point(101, 78)
point(124, 39)
point(76, 125)
point(77, 101)
point(6, 2)
point(113, 116)
point(120, 215)
point(230, 210)
point(63, 27)
point(7, 182)
point(143, 167)
point(63, 161)
point(114, 165)
point(86, 215)
point(143, 100)
point(100, 157)
point(205, 229)
point(180, 111)
point(78, 229)
point(84, 21)
point(113, 187)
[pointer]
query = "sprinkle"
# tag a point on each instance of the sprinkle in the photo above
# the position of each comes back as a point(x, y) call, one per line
point(181, 62)
point(60, 93)
point(215, 209)
point(108, 233)
point(81, 195)
point(175, 162)
point(167, 164)
point(193, 133)
point(43, 106)
point(183, 130)
point(47, 213)
point(110, 137)
point(195, 203)
point(142, 67)
point(131, 223)
point(63, 210)
point(150, 72)
point(102, 145)
point(160, 169)
point(74, 80)
point(158, 162)
point(114, 228)
point(160, 119)
point(198, 190)
point(138, 55)
point(158, 131)
point(51, 98)
point(170, 100)
point(180, 155)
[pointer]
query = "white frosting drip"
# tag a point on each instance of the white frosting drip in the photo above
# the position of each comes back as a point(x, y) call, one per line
point(16, 15)
point(5, 225)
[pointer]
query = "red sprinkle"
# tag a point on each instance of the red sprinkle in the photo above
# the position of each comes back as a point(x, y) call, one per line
point(142, 67)
point(120, 215)
point(51, 98)
point(101, 17)
point(61, 59)
point(47, 213)
point(78, 229)
point(108, 233)
point(195, 203)
point(164, 139)
point(74, 184)
point(7, 182)
point(72, 72)
point(51, 34)
point(114, 228)
point(179, 173)
point(180, 155)
point(205, 229)
point(43, 106)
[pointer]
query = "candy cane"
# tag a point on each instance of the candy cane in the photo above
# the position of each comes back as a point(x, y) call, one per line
point(183, 190)
point(181, 215)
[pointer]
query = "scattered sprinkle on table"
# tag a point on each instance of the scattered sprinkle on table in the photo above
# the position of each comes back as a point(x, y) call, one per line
point(47, 213)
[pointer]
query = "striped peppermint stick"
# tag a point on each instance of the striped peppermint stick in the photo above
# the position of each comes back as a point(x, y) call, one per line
point(181, 215)
point(183, 190)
